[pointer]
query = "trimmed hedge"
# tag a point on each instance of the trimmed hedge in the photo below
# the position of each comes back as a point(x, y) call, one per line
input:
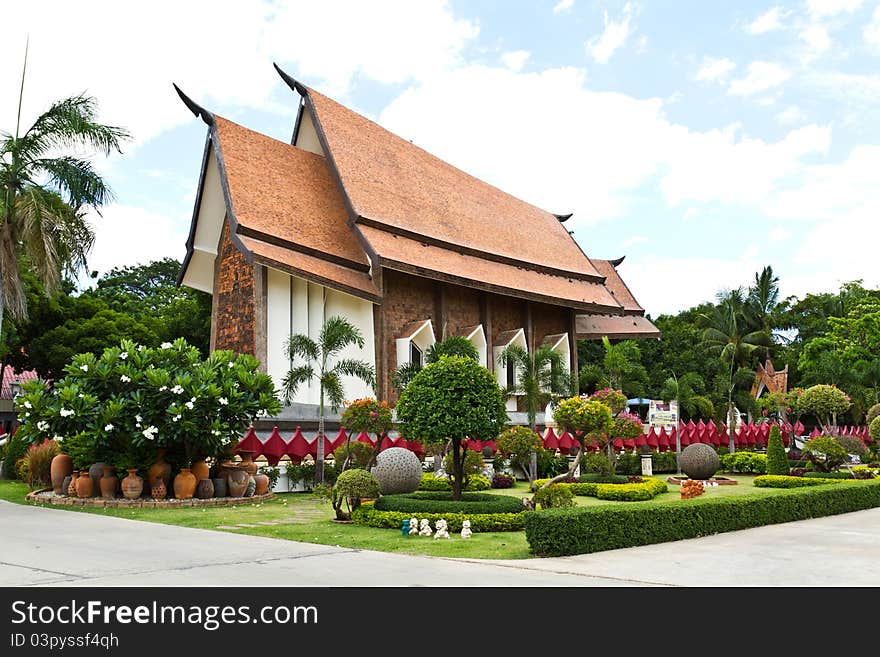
point(582, 530)
point(744, 462)
point(622, 492)
point(782, 481)
point(829, 475)
point(369, 516)
point(442, 502)
point(475, 483)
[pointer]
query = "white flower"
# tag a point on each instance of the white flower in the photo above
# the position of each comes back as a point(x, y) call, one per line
point(141, 348)
point(27, 414)
point(223, 401)
point(163, 388)
point(27, 404)
point(43, 425)
point(193, 400)
point(230, 365)
point(84, 368)
point(81, 396)
point(189, 405)
point(58, 439)
point(123, 355)
point(165, 345)
point(215, 432)
point(138, 418)
point(124, 378)
point(150, 432)
point(65, 412)
point(176, 418)
point(177, 390)
point(108, 427)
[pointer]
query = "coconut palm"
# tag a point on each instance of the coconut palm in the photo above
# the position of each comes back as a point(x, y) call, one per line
point(337, 333)
point(763, 306)
point(46, 193)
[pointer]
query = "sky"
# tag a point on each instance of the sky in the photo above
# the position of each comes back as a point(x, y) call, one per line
point(703, 140)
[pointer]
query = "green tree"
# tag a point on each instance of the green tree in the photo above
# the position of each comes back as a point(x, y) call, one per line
point(450, 400)
point(777, 460)
point(337, 333)
point(521, 444)
point(763, 307)
point(825, 403)
point(46, 191)
point(584, 419)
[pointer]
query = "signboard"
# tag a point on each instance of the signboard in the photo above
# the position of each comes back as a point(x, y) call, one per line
point(662, 414)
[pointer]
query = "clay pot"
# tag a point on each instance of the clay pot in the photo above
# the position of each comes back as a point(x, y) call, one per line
point(159, 470)
point(62, 466)
point(71, 487)
point(205, 489)
point(262, 483)
point(200, 470)
point(158, 491)
point(184, 484)
point(251, 487)
point(237, 482)
point(65, 486)
point(219, 486)
point(247, 462)
point(132, 485)
point(109, 482)
point(84, 486)
point(96, 471)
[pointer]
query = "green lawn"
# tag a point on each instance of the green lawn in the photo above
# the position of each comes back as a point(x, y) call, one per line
point(308, 518)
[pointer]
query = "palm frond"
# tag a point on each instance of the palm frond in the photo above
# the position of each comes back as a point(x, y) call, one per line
point(294, 379)
point(301, 346)
point(333, 390)
point(514, 355)
point(77, 178)
point(337, 333)
point(356, 368)
point(72, 122)
point(404, 375)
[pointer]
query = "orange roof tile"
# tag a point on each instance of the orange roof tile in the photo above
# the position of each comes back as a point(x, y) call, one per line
point(401, 187)
point(285, 195)
point(422, 259)
point(617, 287)
point(616, 327)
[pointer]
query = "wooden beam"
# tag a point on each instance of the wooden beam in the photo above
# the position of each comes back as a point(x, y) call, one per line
point(486, 321)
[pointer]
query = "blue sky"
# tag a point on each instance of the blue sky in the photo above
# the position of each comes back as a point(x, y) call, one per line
point(703, 140)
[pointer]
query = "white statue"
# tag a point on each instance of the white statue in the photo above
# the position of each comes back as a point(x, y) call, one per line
point(413, 526)
point(442, 529)
point(425, 528)
point(466, 529)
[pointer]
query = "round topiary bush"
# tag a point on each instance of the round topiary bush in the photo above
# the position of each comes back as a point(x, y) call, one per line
point(398, 471)
point(350, 487)
point(699, 461)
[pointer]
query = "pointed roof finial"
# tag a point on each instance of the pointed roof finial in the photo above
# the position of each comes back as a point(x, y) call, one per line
point(293, 84)
point(616, 261)
point(563, 217)
point(194, 107)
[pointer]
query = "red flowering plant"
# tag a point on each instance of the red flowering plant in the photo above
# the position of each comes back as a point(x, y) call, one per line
point(369, 415)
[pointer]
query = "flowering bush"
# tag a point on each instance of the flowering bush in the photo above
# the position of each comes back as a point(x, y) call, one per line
point(613, 399)
point(579, 414)
point(626, 426)
point(367, 415)
point(133, 399)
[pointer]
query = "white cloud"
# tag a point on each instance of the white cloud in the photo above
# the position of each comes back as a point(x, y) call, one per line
point(563, 5)
point(601, 47)
point(791, 115)
point(515, 59)
point(690, 213)
point(750, 253)
point(826, 8)
point(817, 40)
point(714, 69)
point(760, 77)
point(635, 239)
point(778, 235)
point(872, 29)
point(769, 21)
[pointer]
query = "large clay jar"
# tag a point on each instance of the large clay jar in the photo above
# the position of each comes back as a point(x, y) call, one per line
point(205, 489)
point(132, 485)
point(109, 482)
point(160, 469)
point(84, 487)
point(71, 487)
point(200, 470)
point(62, 466)
point(219, 486)
point(237, 482)
point(247, 462)
point(262, 483)
point(96, 471)
point(158, 490)
point(184, 484)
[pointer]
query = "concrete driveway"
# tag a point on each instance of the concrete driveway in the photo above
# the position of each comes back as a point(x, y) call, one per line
point(44, 546)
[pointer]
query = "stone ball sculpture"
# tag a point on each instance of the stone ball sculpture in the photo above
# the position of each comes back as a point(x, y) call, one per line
point(699, 461)
point(398, 470)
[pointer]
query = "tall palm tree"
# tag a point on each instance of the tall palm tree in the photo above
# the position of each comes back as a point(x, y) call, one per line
point(726, 335)
point(337, 333)
point(45, 194)
point(763, 305)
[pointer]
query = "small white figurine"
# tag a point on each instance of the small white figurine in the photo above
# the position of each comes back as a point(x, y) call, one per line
point(442, 529)
point(466, 529)
point(413, 526)
point(425, 528)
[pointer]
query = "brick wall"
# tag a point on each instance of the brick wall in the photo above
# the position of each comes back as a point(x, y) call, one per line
point(233, 311)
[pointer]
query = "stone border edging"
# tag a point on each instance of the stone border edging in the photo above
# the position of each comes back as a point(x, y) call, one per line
point(46, 496)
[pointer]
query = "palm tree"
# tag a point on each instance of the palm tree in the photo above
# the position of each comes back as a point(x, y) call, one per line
point(45, 194)
point(762, 305)
point(455, 345)
point(540, 376)
point(337, 333)
point(725, 335)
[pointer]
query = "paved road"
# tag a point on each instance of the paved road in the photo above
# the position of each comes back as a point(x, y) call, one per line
point(44, 546)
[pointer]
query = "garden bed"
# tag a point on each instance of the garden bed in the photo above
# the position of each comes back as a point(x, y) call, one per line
point(46, 496)
point(721, 481)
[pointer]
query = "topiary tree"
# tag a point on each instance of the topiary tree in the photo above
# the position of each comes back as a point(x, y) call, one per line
point(585, 420)
point(452, 399)
point(777, 460)
point(874, 429)
point(472, 465)
point(370, 416)
point(519, 443)
point(873, 412)
point(825, 403)
point(350, 487)
point(825, 453)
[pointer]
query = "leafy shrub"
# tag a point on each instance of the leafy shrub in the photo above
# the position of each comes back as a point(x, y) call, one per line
point(853, 445)
point(781, 481)
point(874, 429)
point(518, 443)
point(473, 465)
point(16, 448)
point(272, 472)
point(22, 469)
point(863, 474)
point(745, 463)
point(304, 472)
point(628, 463)
point(777, 461)
point(873, 412)
point(603, 479)
point(368, 415)
point(475, 483)
point(442, 502)
point(39, 461)
point(550, 465)
point(361, 453)
point(582, 530)
point(478, 482)
point(502, 480)
point(646, 490)
point(823, 401)
point(825, 453)
point(596, 462)
point(555, 496)
point(828, 475)
point(368, 515)
point(579, 414)
point(350, 487)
